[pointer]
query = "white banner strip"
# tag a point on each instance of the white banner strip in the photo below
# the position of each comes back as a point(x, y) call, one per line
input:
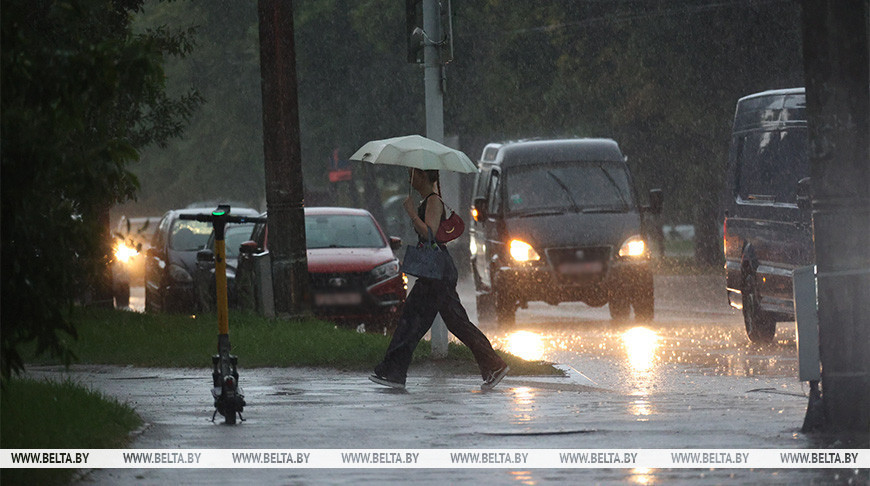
point(437, 458)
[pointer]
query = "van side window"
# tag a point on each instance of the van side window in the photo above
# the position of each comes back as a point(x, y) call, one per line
point(770, 163)
point(493, 193)
point(478, 184)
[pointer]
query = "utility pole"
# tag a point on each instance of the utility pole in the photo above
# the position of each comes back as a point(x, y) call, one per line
point(433, 83)
point(283, 159)
point(837, 65)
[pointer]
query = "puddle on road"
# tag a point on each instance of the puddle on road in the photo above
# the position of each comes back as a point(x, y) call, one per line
point(284, 393)
point(539, 432)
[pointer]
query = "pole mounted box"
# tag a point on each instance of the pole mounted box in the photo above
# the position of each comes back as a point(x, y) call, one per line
point(807, 323)
point(413, 21)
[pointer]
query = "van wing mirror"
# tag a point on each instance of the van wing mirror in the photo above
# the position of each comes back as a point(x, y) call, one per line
point(656, 201)
point(478, 209)
point(804, 194)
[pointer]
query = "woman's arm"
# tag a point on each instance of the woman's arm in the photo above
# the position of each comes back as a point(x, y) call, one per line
point(433, 217)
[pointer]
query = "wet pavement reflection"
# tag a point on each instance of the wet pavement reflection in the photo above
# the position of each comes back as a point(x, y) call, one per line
point(640, 347)
point(706, 347)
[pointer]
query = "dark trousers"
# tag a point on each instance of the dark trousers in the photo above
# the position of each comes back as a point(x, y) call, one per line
point(428, 298)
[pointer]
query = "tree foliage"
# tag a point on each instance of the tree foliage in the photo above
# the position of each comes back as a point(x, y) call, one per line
point(81, 94)
point(661, 77)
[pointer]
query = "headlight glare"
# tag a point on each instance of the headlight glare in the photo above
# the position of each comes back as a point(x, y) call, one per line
point(123, 252)
point(522, 251)
point(633, 247)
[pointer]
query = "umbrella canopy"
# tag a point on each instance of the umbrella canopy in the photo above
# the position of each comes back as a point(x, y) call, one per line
point(414, 151)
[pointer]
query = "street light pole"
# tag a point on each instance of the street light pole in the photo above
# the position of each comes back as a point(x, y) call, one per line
point(432, 77)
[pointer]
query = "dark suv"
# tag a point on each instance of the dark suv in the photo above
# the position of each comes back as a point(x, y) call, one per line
point(768, 222)
point(170, 263)
point(558, 221)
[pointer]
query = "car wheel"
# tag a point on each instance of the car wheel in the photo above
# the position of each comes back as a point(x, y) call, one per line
point(505, 308)
point(392, 323)
point(620, 308)
point(121, 293)
point(486, 307)
point(760, 325)
point(644, 305)
point(204, 300)
point(149, 301)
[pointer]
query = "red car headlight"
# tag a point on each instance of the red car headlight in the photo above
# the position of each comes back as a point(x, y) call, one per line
point(385, 271)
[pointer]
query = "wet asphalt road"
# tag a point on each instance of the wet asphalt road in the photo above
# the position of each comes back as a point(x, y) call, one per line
point(696, 335)
point(689, 379)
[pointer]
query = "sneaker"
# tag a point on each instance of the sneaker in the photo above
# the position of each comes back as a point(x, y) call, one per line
point(380, 380)
point(495, 377)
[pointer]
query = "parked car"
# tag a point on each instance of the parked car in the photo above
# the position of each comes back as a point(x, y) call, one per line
point(204, 276)
point(170, 263)
point(559, 221)
point(132, 238)
point(768, 221)
point(353, 273)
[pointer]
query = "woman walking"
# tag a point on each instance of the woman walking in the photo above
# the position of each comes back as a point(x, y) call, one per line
point(430, 297)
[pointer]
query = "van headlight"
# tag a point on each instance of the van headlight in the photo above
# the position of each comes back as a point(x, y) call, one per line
point(522, 251)
point(385, 271)
point(633, 247)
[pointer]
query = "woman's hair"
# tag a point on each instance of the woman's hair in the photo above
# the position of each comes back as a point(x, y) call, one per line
point(432, 176)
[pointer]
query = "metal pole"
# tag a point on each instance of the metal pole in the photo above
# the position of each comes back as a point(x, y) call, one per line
point(220, 276)
point(432, 70)
point(283, 159)
point(837, 65)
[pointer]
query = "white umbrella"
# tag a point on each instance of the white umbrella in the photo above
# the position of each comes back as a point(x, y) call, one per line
point(414, 151)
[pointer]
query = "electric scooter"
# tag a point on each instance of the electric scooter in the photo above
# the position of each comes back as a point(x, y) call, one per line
point(229, 400)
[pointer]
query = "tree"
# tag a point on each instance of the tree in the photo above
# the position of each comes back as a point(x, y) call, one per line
point(221, 153)
point(662, 78)
point(81, 94)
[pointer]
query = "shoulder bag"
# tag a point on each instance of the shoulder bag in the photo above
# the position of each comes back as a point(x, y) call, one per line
point(426, 260)
point(451, 228)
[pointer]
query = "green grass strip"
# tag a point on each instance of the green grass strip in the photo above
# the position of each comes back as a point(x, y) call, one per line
point(183, 341)
point(59, 415)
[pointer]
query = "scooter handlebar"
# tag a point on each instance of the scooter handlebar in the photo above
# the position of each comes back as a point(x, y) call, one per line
point(210, 218)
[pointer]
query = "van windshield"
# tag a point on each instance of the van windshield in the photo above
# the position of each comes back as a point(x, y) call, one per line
point(567, 186)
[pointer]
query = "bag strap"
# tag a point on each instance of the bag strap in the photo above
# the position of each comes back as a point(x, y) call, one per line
point(444, 204)
point(432, 240)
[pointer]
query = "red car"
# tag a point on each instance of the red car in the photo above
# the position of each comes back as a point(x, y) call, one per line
point(353, 273)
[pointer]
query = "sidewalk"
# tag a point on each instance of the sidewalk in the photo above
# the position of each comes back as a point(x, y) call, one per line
point(305, 408)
